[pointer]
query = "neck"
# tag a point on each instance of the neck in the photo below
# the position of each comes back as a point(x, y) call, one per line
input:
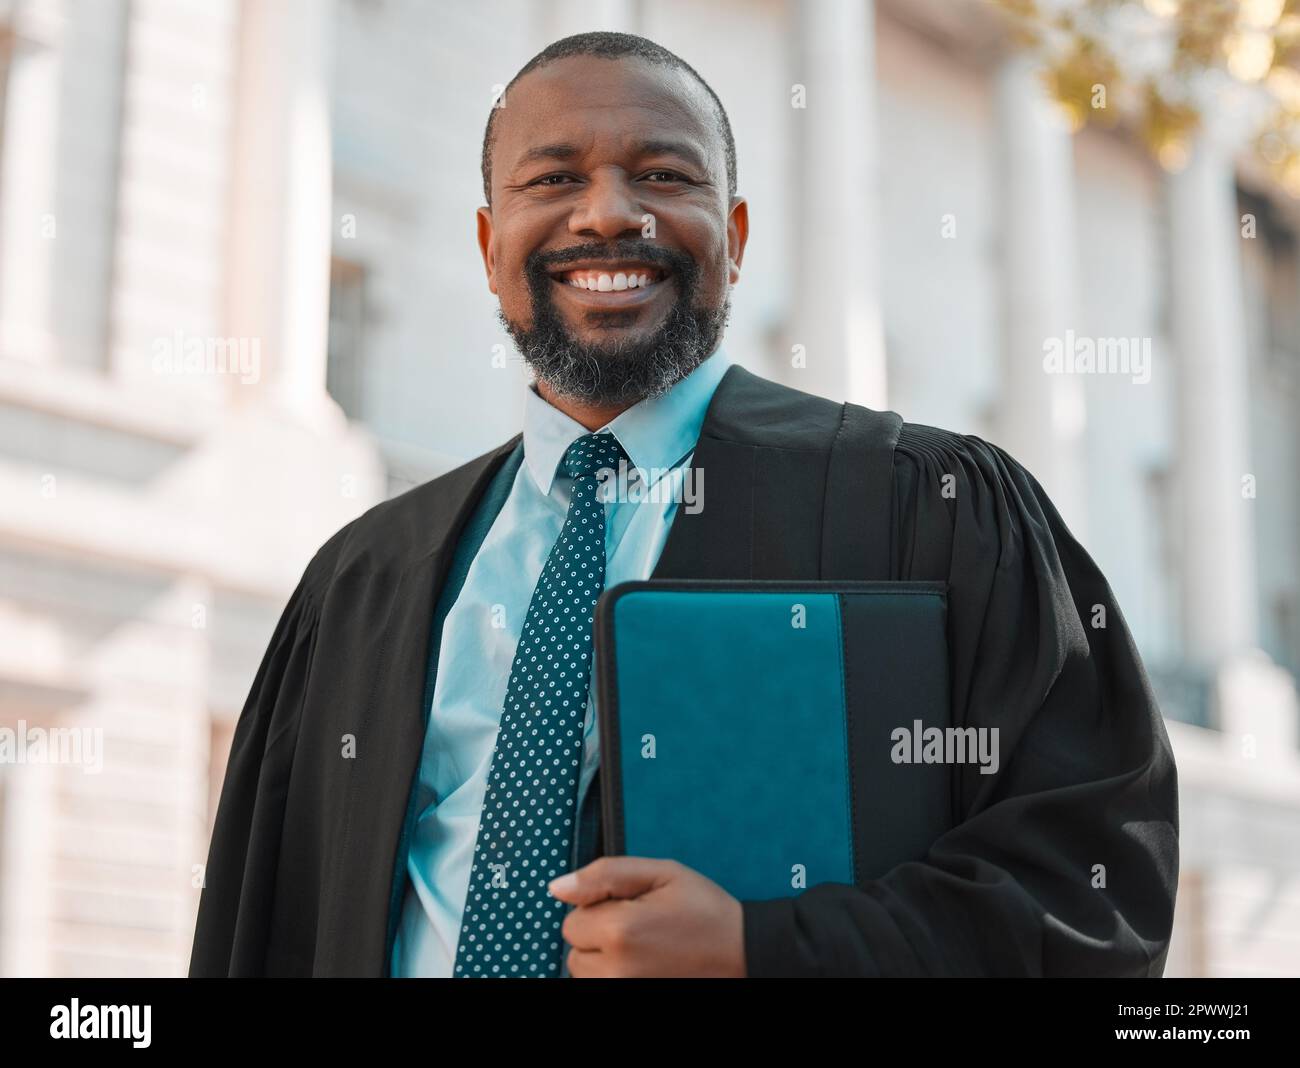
point(591, 416)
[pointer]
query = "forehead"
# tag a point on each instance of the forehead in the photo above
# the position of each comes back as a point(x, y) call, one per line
point(593, 102)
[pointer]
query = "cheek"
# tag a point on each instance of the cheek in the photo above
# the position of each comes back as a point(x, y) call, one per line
point(715, 264)
point(715, 274)
point(512, 286)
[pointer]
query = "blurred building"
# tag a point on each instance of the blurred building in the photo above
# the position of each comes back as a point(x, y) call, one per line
point(241, 301)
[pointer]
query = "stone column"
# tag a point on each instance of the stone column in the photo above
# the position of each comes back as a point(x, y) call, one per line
point(27, 862)
point(1213, 433)
point(284, 448)
point(28, 184)
point(281, 200)
point(836, 314)
point(1041, 416)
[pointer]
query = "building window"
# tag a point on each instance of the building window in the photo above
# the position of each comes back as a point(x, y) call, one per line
point(343, 370)
point(1286, 627)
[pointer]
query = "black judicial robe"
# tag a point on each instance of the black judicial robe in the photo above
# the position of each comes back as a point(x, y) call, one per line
point(1064, 862)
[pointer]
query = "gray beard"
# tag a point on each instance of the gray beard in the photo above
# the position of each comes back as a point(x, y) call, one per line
point(621, 372)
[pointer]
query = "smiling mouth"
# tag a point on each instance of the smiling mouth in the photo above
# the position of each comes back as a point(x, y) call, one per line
point(612, 278)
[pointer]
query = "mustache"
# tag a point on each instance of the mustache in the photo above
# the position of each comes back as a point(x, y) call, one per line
point(642, 251)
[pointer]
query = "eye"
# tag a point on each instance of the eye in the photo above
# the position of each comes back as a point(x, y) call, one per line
point(671, 176)
point(550, 180)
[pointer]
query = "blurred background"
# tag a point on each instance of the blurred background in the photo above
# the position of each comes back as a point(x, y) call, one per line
point(241, 301)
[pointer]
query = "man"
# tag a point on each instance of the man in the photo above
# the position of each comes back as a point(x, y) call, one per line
point(411, 792)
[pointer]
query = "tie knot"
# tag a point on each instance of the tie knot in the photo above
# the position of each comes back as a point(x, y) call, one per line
point(590, 453)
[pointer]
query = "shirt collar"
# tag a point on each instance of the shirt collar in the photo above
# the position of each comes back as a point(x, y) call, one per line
point(656, 433)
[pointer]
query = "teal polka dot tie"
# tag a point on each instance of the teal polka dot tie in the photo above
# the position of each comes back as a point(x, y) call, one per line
point(511, 925)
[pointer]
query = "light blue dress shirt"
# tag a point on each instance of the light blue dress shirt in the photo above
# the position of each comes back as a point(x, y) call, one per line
point(482, 629)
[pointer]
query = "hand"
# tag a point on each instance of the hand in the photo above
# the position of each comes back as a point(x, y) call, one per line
point(641, 917)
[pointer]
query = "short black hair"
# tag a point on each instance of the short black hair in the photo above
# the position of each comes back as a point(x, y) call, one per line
point(609, 45)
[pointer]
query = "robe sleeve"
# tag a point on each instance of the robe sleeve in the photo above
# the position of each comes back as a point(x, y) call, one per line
point(235, 907)
point(1063, 862)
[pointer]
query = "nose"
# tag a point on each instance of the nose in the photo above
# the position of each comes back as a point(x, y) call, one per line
point(608, 208)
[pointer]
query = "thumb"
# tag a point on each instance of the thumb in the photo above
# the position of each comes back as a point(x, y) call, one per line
point(606, 877)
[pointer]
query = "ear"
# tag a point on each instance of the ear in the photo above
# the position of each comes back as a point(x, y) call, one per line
point(486, 247)
point(737, 236)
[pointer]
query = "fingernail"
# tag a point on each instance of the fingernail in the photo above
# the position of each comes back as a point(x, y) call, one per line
point(563, 883)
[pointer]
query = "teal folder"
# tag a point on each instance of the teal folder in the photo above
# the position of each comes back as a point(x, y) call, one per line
point(751, 729)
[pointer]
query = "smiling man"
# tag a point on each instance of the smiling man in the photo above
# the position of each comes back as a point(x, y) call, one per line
point(414, 784)
point(613, 231)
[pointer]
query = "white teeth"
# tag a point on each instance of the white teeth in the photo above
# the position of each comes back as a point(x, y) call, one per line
point(619, 281)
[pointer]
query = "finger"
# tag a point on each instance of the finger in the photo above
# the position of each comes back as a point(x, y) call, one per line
point(606, 877)
point(589, 927)
point(586, 964)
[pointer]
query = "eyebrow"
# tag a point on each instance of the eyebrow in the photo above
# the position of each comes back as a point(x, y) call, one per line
point(564, 150)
